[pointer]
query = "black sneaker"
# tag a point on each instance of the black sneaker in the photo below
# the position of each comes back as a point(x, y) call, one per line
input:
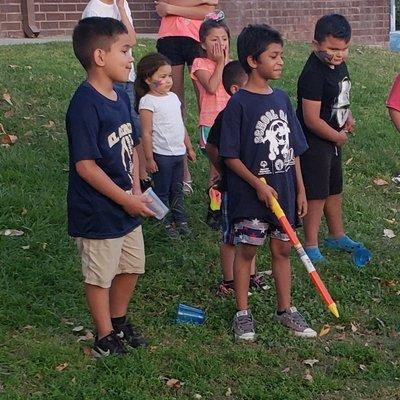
point(183, 228)
point(171, 231)
point(130, 335)
point(108, 345)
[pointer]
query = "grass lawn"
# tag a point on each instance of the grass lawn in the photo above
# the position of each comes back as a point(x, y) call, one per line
point(41, 295)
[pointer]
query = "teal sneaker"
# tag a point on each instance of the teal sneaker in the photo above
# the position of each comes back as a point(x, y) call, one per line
point(314, 254)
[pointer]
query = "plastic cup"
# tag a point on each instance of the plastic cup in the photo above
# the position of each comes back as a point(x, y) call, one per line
point(361, 257)
point(189, 315)
point(156, 205)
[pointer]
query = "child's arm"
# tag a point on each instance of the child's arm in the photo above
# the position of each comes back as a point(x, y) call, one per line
point(213, 156)
point(126, 21)
point(192, 12)
point(90, 172)
point(189, 148)
point(395, 117)
point(265, 192)
point(209, 81)
point(146, 123)
point(135, 173)
point(311, 115)
point(301, 199)
point(192, 3)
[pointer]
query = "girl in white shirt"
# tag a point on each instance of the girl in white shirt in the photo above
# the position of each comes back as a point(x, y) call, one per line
point(164, 137)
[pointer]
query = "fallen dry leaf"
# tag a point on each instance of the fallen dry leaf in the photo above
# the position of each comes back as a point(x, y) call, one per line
point(394, 334)
point(11, 232)
point(88, 336)
point(390, 283)
point(388, 233)
point(78, 328)
point(173, 383)
point(73, 380)
point(349, 161)
point(1, 387)
point(363, 367)
point(24, 211)
point(8, 139)
point(228, 392)
point(27, 328)
point(13, 66)
point(380, 182)
point(87, 351)
point(8, 114)
point(390, 221)
point(381, 322)
point(308, 377)
point(7, 98)
point(66, 321)
point(49, 125)
point(353, 327)
point(26, 247)
point(310, 362)
point(286, 370)
point(6, 146)
point(62, 366)
point(197, 396)
point(325, 330)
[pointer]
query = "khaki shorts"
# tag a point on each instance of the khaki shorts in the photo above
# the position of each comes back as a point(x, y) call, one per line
point(103, 259)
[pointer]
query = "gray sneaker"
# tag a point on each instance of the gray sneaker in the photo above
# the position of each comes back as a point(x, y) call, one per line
point(243, 326)
point(183, 228)
point(171, 231)
point(293, 320)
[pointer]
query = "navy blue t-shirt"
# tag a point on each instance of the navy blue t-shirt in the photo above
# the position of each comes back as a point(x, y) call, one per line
point(99, 129)
point(262, 130)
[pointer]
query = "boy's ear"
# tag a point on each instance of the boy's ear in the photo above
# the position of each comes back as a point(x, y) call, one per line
point(98, 57)
point(252, 62)
point(315, 45)
point(234, 88)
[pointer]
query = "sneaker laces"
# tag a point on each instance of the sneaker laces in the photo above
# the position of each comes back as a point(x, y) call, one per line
point(245, 323)
point(297, 318)
point(257, 281)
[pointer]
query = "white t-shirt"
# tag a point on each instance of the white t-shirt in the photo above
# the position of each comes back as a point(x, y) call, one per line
point(168, 127)
point(96, 8)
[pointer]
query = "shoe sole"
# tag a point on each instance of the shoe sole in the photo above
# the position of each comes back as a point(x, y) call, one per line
point(244, 338)
point(305, 334)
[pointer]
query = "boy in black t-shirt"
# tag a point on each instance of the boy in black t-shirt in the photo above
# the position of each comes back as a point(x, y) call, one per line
point(261, 137)
point(103, 190)
point(323, 110)
point(233, 78)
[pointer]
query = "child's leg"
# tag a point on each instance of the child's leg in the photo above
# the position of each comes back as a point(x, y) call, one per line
point(176, 193)
point(178, 85)
point(120, 293)
point(244, 256)
point(280, 252)
point(99, 306)
point(333, 215)
point(227, 256)
point(312, 222)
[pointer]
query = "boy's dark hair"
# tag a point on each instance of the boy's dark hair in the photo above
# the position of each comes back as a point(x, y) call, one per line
point(254, 40)
point(95, 33)
point(145, 68)
point(209, 24)
point(233, 74)
point(334, 25)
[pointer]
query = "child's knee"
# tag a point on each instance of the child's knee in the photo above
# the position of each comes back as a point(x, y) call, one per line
point(280, 249)
point(246, 252)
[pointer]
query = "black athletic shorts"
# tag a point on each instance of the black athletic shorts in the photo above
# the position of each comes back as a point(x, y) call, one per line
point(321, 166)
point(180, 50)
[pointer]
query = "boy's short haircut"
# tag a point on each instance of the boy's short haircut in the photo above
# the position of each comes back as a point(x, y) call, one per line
point(253, 41)
point(233, 74)
point(95, 33)
point(334, 25)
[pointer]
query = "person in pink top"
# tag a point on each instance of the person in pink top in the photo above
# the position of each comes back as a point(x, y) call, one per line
point(393, 105)
point(207, 75)
point(178, 40)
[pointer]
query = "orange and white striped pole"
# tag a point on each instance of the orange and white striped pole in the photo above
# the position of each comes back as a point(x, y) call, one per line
point(316, 280)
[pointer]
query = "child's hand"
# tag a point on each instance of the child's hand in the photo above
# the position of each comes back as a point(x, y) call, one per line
point(266, 193)
point(162, 8)
point(191, 155)
point(136, 205)
point(341, 138)
point(302, 206)
point(151, 166)
point(218, 53)
point(350, 124)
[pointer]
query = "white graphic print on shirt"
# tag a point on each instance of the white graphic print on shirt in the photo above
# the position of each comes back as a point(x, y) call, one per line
point(273, 128)
point(340, 109)
point(125, 137)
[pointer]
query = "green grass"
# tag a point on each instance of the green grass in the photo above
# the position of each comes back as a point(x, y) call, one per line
point(41, 287)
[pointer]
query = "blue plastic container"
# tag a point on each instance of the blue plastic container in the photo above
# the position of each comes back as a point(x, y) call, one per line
point(189, 315)
point(361, 257)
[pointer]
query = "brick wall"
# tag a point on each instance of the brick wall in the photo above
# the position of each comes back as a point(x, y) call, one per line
point(294, 18)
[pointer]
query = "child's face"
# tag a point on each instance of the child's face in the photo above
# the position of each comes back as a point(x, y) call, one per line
point(331, 50)
point(270, 62)
point(216, 37)
point(161, 81)
point(118, 60)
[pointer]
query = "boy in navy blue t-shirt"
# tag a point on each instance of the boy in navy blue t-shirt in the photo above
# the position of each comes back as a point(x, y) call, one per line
point(103, 191)
point(261, 137)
